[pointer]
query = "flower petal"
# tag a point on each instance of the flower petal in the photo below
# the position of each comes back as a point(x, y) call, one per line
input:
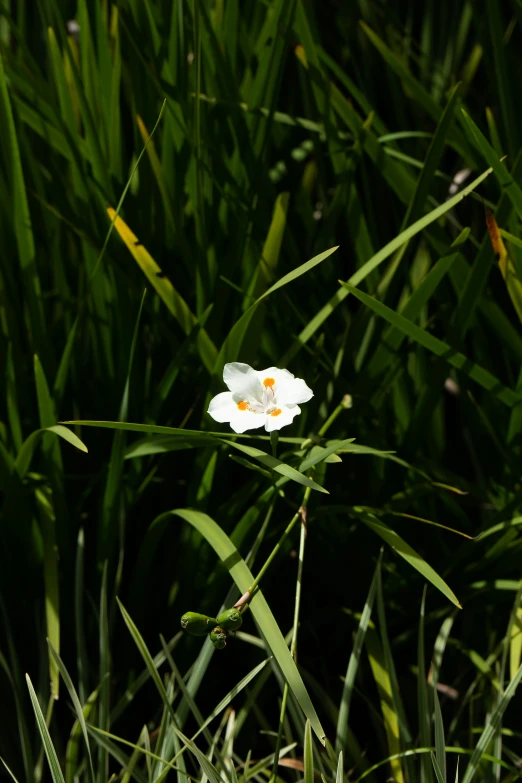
point(274, 373)
point(241, 421)
point(222, 407)
point(282, 419)
point(292, 391)
point(243, 380)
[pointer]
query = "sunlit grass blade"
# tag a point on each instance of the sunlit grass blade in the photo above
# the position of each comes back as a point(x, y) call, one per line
point(308, 758)
point(389, 713)
point(393, 338)
point(73, 760)
point(165, 289)
point(486, 379)
point(243, 578)
point(27, 450)
point(231, 695)
point(231, 347)
point(76, 702)
point(265, 272)
point(374, 262)
point(9, 771)
point(274, 464)
point(505, 179)
point(188, 437)
point(437, 769)
point(109, 741)
point(491, 727)
point(405, 550)
point(50, 752)
point(206, 766)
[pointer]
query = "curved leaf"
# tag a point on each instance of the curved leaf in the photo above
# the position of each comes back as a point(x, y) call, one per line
point(242, 576)
point(28, 447)
point(407, 552)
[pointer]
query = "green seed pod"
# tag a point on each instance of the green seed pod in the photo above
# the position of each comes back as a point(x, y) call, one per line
point(230, 620)
point(197, 624)
point(218, 637)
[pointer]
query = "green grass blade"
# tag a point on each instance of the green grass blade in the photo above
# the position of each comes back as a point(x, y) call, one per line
point(423, 696)
point(191, 437)
point(437, 769)
point(104, 675)
point(231, 347)
point(164, 288)
point(351, 671)
point(393, 338)
point(276, 465)
point(388, 708)
point(483, 377)
point(308, 759)
point(22, 218)
point(50, 752)
point(385, 252)
point(149, 661)
point(79, 628)
point(404, 550)
point(73, 758)
point(44, 502)
point(491, 728)
point(207, 767)
point(112, 493)
point(243, 578)
point(27, 450)
point(9, 771)
point(104, 739)
point(266, 269)
point(511, 188)
point(431, 163)
point(75, 700)
point(218, 709)
point(506, 95)
point(440, 743)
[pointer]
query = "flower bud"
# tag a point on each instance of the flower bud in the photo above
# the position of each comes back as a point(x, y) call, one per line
point(197, 624)
point(230, 620)
point(218, 637)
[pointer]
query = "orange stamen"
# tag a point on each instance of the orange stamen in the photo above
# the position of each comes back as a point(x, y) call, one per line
point(243, 405)
point(269, 382)
point(277, 412)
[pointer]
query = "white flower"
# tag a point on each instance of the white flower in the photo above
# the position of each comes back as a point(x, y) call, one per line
point(258, 397)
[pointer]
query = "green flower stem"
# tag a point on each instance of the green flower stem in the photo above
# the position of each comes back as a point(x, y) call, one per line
point(274, 438)
point(273, 776)
point(345, 403)
point(279, 544)
point(293, 644)
point(259, 539)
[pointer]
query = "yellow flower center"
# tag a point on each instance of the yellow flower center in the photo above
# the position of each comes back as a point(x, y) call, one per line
point(269, 382)
point(277, 412)
point(243, 405)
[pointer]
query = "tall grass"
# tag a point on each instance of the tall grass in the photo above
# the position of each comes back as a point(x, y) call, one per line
point(188, 184)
